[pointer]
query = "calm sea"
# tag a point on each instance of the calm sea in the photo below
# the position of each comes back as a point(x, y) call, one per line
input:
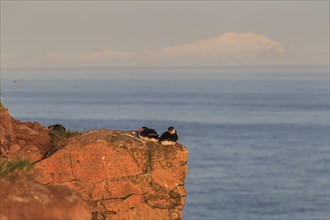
point(258, 138)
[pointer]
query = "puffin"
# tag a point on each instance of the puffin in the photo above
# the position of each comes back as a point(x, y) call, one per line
point(169, 137)
point(148, 134)
point(57, 128)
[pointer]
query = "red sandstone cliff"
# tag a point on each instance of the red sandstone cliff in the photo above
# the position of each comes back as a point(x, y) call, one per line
point(24, 198)
point(116, 174)
point(25, 140)
point(119, 176)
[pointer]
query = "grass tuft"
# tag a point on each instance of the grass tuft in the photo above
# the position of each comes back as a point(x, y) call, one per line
point(58, 135)
point(10, 169)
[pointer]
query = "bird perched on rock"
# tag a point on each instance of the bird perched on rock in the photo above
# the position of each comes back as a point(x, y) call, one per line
point(148, 134)
point(57, 128)
point(169, 137)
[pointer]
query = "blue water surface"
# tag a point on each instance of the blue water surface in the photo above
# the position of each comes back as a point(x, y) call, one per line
point(258, 138)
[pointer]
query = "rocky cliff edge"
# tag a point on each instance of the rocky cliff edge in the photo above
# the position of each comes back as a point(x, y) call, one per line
point(116, 174)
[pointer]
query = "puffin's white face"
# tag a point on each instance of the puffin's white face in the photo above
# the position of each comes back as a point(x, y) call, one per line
point(172, 131)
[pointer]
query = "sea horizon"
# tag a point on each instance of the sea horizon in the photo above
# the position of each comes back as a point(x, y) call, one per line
point(43, 73)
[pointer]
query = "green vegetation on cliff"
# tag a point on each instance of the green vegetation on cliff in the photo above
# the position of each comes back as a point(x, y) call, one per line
point(58, 135)
point(13, 168)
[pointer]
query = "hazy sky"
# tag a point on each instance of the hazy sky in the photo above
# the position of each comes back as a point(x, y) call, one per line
point(164, 33)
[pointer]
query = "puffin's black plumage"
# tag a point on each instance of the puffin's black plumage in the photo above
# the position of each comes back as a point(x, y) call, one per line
point(170, 137)
point(57, 128)
point(148, 134)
